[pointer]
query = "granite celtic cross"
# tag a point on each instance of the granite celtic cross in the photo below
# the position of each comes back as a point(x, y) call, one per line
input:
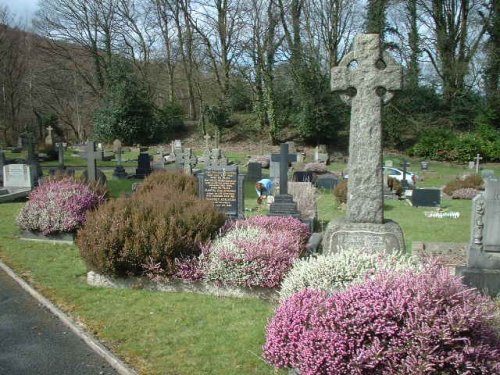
point(367, 76)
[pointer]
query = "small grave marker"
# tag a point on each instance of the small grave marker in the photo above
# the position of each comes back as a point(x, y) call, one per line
point(478, 158)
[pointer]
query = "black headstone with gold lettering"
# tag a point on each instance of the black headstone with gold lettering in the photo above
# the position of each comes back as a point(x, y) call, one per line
point(224, 187)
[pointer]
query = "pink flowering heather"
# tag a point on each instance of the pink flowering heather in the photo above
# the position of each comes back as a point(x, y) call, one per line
point(58, 206)
point(411, 323)
point(255, 252)
point(465, 193)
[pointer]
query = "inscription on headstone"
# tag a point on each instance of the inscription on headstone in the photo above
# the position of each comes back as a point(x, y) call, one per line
point(17, 176)
point(224, 187)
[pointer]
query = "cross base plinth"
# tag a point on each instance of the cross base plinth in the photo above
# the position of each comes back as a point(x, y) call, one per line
point(283, 206)
point(119, 172)
point(485, 280)
point(343, 235)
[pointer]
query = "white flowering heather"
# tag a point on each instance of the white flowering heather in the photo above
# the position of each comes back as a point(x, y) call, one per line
point(255, 252)
point(58, 206)
point(337, 271)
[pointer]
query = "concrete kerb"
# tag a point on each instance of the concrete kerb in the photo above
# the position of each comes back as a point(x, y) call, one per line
point(93, 343)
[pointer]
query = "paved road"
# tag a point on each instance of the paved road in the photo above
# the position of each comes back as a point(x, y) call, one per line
point(33, 341)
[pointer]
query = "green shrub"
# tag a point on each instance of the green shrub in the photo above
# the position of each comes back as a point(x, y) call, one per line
point(472, 181)
point(157, 225)
point(340, 192)
point(434, 144)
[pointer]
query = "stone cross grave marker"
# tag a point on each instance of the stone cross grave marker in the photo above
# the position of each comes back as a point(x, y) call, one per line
point(186, 160)
point(283, 203)
point(368, 77)
point(92, 154)
point(477, 159)
point(483, 259)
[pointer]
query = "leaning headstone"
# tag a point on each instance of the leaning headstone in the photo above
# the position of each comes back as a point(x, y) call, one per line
point(224, 187)
point(483, 259)
point(254, 172)
point(283, 204)
point(143, 166)
point(366, 77)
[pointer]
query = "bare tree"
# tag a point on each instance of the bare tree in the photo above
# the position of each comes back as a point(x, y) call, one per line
point(453, 33)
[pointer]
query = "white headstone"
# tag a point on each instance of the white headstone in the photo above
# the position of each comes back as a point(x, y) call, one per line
point(17, 176)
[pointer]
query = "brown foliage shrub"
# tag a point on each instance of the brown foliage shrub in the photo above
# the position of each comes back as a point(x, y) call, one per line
point(473, 181)
point(157, 226)
point(181, 182)
point(395, 186)
point(340, 192)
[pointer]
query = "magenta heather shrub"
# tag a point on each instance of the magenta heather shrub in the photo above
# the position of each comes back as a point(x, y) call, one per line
point(465, 193)
point(255, 252)
point(412, 323)
point(58, 206)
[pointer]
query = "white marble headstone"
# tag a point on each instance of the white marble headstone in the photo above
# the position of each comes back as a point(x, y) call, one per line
point(17, 176)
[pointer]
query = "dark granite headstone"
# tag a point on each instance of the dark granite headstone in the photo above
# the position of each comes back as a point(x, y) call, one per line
point(426, 198)
point(254, 171)
point(303, 176)
point(143, 166)
point(224, 187)
point(326, 181)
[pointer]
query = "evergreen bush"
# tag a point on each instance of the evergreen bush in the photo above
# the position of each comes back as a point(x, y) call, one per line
point(337, 271)
point(156, 226)
point(411, 323)
point(59, 205)
point(255, 252)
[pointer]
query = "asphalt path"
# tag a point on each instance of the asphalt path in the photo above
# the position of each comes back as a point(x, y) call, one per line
point(33, 341)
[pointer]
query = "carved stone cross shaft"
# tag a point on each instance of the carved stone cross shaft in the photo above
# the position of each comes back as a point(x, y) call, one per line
point(367, 76)
point(284, 158)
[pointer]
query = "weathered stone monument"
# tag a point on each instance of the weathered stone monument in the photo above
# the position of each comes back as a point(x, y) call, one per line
point(119, 172)
point(283, 202)
point(483, 257)
point(17, 182)
point(186, 160)
point(366, 77)
point(49, 139)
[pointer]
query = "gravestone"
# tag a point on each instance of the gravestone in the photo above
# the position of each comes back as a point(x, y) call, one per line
point(224, 187)
point(17, 182)
point(254, 172)
point(471, 164)
point(321, 154)
point(283, 204)
point(61, 168)
point(366, 78)
point(143, 166)
point(92, 174)
point(326, 181)
point(483, 258)
point(477, 160)
point(424, 165)
point(389, 163)
point(216, 158)
point(119, 171)
point(274, 170)
point(185, 161)
point(426, 198)
point(49, 139)
point(303, 176)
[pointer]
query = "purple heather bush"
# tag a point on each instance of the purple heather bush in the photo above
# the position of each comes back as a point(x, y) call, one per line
point(465, 193)
point(409, 323)
point(254, 252)
point(59, 205)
